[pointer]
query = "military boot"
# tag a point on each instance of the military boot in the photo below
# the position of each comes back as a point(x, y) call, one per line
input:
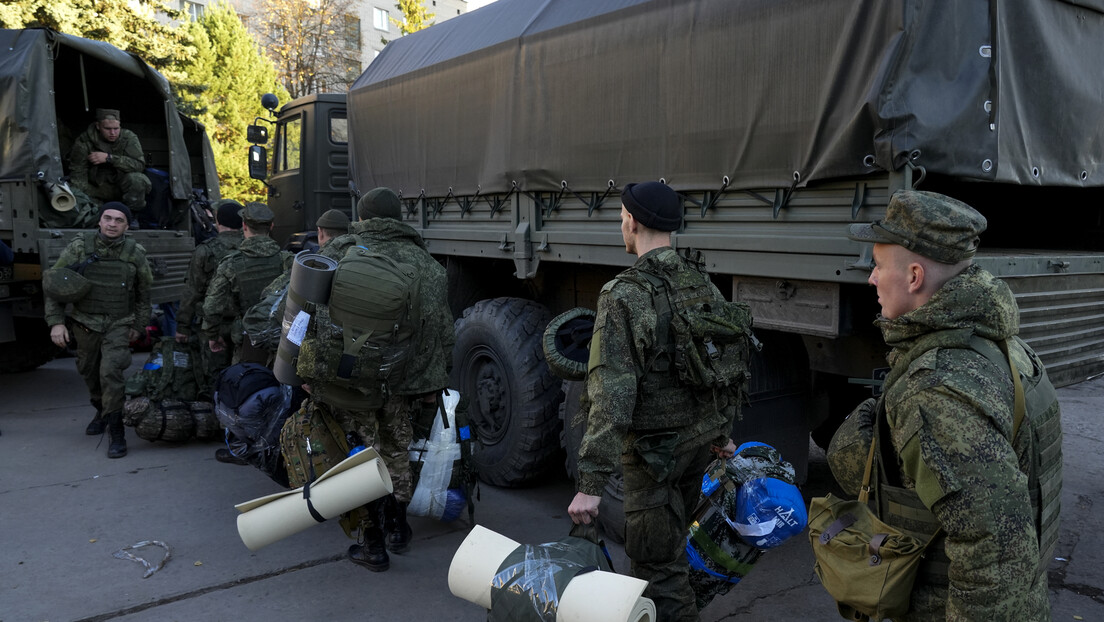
point(98, 424)
point(372, 552)
point(117, 448)
point(398, 530)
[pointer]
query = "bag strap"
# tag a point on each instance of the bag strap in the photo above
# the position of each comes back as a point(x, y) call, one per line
point(1019, 410)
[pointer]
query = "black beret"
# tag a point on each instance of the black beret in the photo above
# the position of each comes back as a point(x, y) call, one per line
point(228, 215)
point(654, 205)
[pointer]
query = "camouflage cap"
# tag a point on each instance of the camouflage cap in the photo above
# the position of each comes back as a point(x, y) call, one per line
point(105, 113)
point(257, 214)
point(929, 224)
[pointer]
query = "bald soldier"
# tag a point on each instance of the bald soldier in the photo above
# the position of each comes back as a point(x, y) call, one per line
point(954, 462)
point(107, 162)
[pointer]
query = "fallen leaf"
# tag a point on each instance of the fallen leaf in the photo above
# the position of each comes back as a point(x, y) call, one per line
point(198, 563)
point(92, 540)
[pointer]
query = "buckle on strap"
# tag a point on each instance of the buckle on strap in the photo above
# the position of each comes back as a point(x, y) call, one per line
point(836, 527)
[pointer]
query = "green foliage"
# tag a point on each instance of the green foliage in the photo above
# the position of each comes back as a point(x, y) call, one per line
point(130, 26)
point(216, 69)
point(235, 73)
point(415, 16)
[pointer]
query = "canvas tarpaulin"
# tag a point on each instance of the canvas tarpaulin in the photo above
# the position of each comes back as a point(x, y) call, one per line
point(765, 93)
point(48, 79)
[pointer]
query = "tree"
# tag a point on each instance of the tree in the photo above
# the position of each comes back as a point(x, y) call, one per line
point(315, 44)
point(235, 73)
point(131, 26)
point(415, 16)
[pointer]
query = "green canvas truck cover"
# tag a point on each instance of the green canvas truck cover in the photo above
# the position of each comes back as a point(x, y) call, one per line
point(761, 93)
point(34, 62)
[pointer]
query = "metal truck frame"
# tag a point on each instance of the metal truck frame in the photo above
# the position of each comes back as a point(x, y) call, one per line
point(509, 131)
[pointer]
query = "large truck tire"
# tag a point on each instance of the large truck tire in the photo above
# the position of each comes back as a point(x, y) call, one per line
point(31, 349)
point(498, 363)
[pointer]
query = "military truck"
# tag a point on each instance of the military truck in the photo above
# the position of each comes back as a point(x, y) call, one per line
point(50, 86)
point(509, 132)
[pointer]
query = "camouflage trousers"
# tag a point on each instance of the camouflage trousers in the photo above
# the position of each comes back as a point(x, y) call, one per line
point(130, 188)
point(387, 429)
point(102, 359)
point(211, 365)
point(660, 497)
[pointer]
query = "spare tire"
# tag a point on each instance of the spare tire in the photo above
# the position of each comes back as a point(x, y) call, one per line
point(566, 343)
point(513, 398)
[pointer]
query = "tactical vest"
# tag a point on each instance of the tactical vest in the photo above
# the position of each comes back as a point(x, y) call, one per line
point(112, 292)
point(668, 401)
point(217, 249)
point(1038, 446)
point(252, 274)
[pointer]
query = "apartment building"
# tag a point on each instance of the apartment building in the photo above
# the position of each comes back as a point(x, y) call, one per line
point(367, 30)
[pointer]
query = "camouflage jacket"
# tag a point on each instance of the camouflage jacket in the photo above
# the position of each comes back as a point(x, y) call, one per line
point(126, 157)
point(950, 416)
point(429, 370)
point(205, 261)
point(225, 301)
point(141, 279)
point(624, 340)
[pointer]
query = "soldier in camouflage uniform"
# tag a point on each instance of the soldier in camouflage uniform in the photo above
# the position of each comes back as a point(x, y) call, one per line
point(107, 162)
point(947, 458)
point(663, 434)
point(381, 230)
point(103, 322)
point(240, 278)
point(205, 261)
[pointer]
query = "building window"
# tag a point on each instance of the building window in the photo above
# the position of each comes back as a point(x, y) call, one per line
point(380, 20)
point(193, 9)
point(352, 32)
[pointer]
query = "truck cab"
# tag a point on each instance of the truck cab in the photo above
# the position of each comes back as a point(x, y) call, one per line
point(307, 172)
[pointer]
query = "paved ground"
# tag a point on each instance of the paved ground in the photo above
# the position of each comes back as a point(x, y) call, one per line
point(65, 508)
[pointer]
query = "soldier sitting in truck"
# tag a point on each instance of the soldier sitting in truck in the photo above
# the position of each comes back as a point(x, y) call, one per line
point(107, 162)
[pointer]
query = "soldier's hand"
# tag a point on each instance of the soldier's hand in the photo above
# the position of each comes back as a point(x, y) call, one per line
point(583, 508)
point(725, 452)
point(59, 335)
point(216, 345)
point(97, 157)
point(133, 334)
point(181, 337)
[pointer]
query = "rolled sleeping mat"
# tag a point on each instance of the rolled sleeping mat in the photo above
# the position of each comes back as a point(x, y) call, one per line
point(311, 276)
point(596, 596)
point(61, 197)
point(353, 482)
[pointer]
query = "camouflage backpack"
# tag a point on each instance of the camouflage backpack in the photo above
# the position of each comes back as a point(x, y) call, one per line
point(312, 442)
point(707, 336)
point(170, 372)
point(364, 336)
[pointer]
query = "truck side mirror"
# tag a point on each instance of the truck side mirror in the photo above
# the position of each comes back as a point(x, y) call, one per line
point(258, 162)
point(256, 134)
